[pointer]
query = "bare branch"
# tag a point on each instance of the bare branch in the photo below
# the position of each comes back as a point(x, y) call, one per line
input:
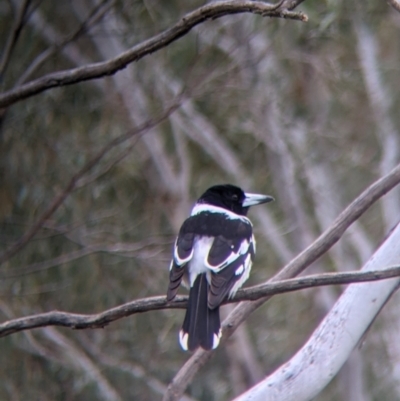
point(293, 268)
point(74, 181)
point(40, 266)
point(97, 70)
point(131, 250)
point(98, 320)
point(102, 319)
point(330, 345)
point(134, 369)
point(340, 225)
point(92, 19)
point(314, 280)
point(106, 168)
point(395, 4)
point(82, 363)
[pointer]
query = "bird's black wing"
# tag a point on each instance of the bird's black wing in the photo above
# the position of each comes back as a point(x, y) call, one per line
point(230, 259)
point(183, 252)
point(227, 257)
point(226, 281)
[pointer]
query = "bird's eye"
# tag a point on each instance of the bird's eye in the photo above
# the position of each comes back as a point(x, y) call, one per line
point(235, 197)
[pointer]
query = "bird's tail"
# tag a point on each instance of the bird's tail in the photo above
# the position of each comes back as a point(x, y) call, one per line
point(201, 326)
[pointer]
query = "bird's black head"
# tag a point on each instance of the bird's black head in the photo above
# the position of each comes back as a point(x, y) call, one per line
point(232, 198)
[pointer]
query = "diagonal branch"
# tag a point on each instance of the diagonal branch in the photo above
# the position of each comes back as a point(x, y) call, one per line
point(102, 319)
point(97, 70)
point(323, 243)
point(308, 372)
point(134, 369)
point(395, 4)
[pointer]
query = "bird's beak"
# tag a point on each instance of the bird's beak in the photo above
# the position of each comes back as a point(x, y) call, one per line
point(256, 199)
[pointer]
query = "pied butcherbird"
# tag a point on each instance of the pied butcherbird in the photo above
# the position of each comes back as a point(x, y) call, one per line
point(213, 255)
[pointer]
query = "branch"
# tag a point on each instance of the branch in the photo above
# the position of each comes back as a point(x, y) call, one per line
point(80, 362)
point(94, 321)
point(136, 250)
point(323, 243)
point(48, 264)
point(102, 319)
point(395, 4)
point(93, 18)
point(74, 181)
point(134, 369)
point(157, 42)
point(313, 280)
point(308, 372)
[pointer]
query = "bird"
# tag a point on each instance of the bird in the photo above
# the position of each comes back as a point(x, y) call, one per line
point(212, 256)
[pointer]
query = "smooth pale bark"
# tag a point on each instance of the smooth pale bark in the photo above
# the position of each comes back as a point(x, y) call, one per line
point(319, 360)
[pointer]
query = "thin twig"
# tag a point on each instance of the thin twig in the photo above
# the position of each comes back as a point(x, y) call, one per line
point(59, 199)
point(48, 264)
point(122, 249)
point(93, 18)
point(112, 163)
point(97, 70)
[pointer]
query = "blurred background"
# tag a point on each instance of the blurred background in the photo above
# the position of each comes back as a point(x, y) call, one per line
point(306, 112)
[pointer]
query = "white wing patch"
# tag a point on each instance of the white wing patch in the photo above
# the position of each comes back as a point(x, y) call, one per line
point(247, 267)
point(243, 249)
point(177, 259)
point(239, 270)
point(199, 261)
